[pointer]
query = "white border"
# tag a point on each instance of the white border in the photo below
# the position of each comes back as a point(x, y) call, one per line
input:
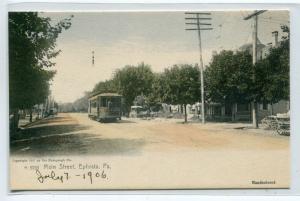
point(15, 5)
point(137, 7)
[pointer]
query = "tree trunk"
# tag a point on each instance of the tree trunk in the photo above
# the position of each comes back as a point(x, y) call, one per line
point(233, 112)
point(185, 115)
point(272, 109)
point(15, 121)
point(30, 115)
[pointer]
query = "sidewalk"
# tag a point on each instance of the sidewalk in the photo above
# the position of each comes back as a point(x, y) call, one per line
point(26, 121)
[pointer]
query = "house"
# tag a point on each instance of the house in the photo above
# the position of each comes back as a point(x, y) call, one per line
point(236, 111)
point(243, 112)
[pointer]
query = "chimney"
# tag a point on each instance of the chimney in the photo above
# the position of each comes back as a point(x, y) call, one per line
point(275, 34)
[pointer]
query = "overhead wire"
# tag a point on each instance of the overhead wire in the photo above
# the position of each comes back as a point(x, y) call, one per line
point(275, 19)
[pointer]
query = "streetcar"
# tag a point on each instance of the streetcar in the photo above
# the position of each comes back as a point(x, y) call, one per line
point(105, 107)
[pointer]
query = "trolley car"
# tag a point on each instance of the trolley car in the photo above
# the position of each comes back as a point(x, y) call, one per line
point(105, 107)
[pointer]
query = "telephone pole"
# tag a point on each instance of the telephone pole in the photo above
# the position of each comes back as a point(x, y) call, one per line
point(254, 16)
point(93, 58)
point(196, 18)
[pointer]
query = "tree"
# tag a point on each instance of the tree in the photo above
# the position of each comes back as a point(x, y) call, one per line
point(107, 86)
point(132, 81)
point(228, 78)
point(154, 98)
point(81, 104)
point(180, 85)
point(32, 41)
point(272, 73)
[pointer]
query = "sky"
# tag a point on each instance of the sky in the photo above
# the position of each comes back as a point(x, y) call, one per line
point(155, 38)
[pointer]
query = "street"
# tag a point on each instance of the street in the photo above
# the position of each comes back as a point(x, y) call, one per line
point(219, 154)
point(75, 133)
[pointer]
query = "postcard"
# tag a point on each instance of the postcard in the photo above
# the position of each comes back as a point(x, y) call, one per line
point(149, 100)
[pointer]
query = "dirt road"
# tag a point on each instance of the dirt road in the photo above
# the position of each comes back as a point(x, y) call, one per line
point(164, 153)
point(74, 134)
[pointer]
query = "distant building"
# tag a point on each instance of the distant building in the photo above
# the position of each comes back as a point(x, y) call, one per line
point(261, 49)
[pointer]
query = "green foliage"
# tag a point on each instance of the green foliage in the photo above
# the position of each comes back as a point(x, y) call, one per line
point(231, 77)
point(228, 78)
point(32, 41)
point(272, 73)
point(108, 86)
point(132, 81)
point(180, 85)
point(155, 97)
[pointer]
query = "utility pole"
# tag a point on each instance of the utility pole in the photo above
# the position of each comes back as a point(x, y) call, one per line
point(93, 58)
point(196, 19)
point(254, 16)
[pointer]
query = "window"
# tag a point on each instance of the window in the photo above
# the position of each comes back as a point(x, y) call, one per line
point(103, 102)
point(93, 103)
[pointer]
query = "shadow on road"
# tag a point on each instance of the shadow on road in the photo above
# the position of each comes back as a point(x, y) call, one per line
point(46, 130)
point(69, 139)
point(76, 144)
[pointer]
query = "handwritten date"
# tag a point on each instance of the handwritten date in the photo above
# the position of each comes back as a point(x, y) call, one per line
point(41, 178)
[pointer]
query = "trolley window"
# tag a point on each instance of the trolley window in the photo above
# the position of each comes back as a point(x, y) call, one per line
point(103, 102)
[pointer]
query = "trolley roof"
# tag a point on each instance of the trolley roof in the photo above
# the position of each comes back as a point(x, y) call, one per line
point(104, 95)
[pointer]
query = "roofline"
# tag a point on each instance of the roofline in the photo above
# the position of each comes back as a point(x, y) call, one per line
point(100, 94)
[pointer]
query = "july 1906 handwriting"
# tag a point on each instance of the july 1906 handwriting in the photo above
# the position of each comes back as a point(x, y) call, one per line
point(65, 176)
